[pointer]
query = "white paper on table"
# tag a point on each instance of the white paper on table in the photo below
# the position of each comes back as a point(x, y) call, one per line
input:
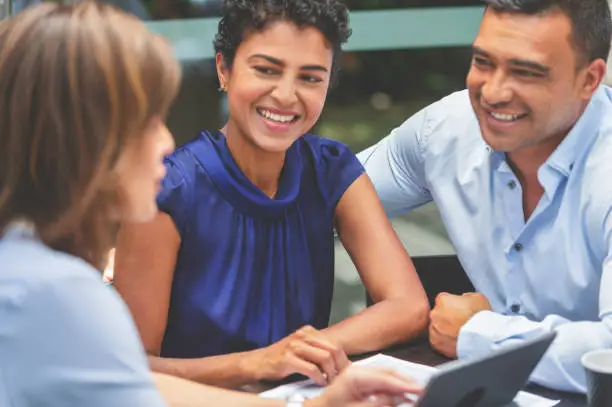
point(420, 373)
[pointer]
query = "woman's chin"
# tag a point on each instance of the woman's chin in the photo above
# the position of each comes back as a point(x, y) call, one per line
point(142, 214)
point(276, 145)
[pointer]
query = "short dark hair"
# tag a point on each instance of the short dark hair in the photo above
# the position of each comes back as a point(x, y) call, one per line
point(242, 17)
point(591, 21)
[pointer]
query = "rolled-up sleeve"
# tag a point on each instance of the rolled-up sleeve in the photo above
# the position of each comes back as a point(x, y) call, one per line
point(560, 368)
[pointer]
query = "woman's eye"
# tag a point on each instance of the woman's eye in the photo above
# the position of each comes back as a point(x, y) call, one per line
point(264, 70)
point(311, 79)
point(481, 61)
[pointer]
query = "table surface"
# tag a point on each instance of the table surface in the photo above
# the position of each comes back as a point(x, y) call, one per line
point(419, 351)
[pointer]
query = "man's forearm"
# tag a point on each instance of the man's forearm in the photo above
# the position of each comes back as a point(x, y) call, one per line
point(560, 367)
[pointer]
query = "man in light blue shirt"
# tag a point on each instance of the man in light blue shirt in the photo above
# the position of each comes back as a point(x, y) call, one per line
point(520, 167)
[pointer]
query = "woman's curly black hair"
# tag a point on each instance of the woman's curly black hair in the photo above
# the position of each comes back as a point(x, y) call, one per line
point(242, 17)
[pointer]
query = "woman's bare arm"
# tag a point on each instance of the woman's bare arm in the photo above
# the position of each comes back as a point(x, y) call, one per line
point(145, 260)
point(356, 387)
point(401, 309)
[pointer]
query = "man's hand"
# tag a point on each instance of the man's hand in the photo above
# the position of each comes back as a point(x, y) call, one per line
point(450, 313)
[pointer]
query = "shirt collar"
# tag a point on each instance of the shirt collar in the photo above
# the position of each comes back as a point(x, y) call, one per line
point(577, 140)
point(19, 229)
point(579, 137)
point(498, 160)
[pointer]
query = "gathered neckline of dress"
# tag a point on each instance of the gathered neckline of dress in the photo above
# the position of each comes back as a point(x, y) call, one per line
point(215, 157)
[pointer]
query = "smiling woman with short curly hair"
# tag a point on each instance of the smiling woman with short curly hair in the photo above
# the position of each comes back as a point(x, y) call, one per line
point(238, 267)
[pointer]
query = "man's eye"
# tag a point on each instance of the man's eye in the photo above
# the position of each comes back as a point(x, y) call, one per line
point(527, 74)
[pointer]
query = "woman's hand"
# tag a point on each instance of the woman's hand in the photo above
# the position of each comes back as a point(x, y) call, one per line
point(307, 351)
point(364, 387)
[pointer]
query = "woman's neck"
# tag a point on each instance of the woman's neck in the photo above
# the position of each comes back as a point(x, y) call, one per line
point(262, 168)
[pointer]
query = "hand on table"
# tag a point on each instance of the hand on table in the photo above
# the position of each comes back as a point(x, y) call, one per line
point(364, 387)
point(449, 314)
point(307, 351)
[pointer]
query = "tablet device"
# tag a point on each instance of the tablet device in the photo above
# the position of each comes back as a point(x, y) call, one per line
point(490, 381)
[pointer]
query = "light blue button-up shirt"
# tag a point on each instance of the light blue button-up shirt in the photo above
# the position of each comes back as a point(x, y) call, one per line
point(553, 272)
point(66, 340)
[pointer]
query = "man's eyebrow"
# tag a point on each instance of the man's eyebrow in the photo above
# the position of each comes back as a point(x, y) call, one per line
point(535, 66)
point(517, 62)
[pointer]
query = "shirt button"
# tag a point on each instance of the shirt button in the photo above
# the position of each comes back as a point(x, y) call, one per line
point(512, 184)
point(515, 308)
point(518, 247)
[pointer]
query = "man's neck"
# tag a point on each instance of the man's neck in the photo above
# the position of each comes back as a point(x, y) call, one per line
point(526, 161)
point(525, 164)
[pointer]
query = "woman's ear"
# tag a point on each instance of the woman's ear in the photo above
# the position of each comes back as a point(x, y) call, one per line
point(222, 72)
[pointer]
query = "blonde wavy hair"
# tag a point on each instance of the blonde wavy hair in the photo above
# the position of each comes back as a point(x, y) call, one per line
point(78, 84)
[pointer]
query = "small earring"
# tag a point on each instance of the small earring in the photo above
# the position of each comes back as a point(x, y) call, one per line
point(222, 88)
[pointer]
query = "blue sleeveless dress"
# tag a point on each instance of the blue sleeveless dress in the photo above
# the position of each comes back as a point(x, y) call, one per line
point(250, 269)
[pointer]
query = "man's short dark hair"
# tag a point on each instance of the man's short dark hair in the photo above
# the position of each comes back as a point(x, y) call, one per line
point(591, 21)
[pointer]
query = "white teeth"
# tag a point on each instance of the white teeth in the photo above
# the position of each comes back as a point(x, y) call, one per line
point(276, 117)
point(505, 117)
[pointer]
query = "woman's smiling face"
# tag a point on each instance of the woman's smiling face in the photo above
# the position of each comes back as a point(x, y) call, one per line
point(277, 84)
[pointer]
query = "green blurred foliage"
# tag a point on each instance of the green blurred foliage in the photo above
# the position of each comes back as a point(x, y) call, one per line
point(378, 90)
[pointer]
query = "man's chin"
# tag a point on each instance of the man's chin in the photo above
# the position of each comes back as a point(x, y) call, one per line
point(501, 143)
point(501, 148)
